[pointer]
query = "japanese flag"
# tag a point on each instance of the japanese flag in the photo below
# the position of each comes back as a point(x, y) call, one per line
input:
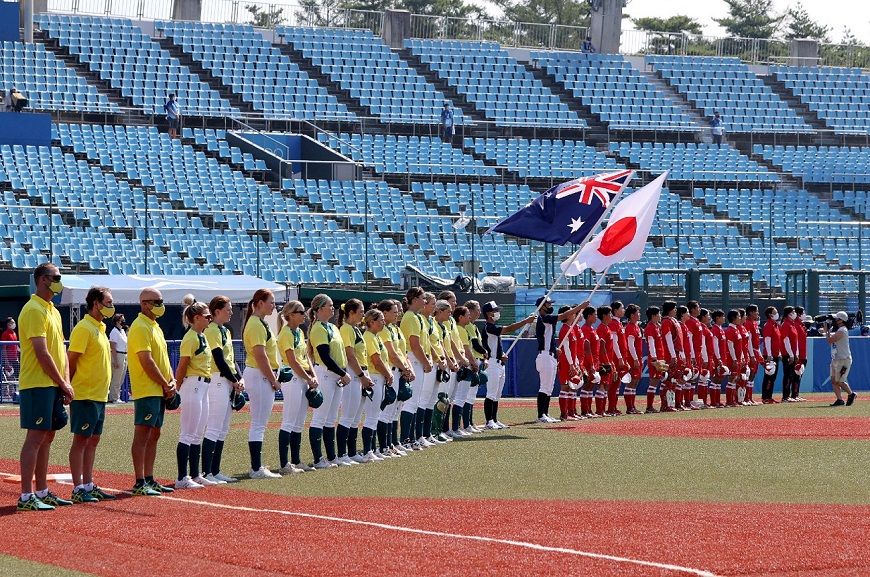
point(625, 236)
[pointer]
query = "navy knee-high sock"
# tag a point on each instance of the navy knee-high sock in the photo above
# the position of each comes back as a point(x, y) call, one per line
point(329, 443)
point(283, 446)
point(315, 434)
point(182, 456)
point(194, 460)
point(495, 411)
point(207, 455)
point(419, 423)
point(216, 458)
point(341, 440)
point(393, 434)
point(427, 422)
point(295, 446)
point(367, 435)
point(256, 450)
point(406, 420)
point(543, 404)
point(466, 415)
point(457, 416)
point(445, 422)
point(382, 434)
point(351, 441)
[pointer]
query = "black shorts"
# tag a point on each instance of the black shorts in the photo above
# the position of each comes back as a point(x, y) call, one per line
point(149, 411)
point(86, 417)
point(173, 122)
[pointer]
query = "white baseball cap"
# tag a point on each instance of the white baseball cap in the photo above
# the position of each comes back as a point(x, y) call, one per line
point(842, 316)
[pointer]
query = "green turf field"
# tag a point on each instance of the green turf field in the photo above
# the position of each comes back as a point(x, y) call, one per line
point(15, 567)
point(540, 461)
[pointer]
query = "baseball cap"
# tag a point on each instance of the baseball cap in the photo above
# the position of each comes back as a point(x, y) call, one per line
point(544, 299)
point(489, 307)
point(842, 316)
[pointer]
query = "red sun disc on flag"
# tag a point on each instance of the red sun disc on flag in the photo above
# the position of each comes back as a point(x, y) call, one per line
point(618, 236)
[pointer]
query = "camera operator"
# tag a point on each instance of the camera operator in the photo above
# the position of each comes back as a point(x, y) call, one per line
point(841, 358)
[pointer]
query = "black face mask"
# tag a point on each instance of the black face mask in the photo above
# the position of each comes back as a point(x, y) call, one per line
point(548, 310)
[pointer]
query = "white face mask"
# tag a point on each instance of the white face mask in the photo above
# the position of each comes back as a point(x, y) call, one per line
point(496, 315)
point(792, 316)
point(774, 317)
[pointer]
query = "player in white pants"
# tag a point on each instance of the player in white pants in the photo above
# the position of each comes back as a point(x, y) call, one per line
point(224, 378)
point(495, 370)
point(461, 416)
point(294, 352)
point(545, 362)
point(382, 376)
point(415, 328)
point(394, 343)
point(356, 393)
point(261, 382)
point(330, 368)
point(194, 374)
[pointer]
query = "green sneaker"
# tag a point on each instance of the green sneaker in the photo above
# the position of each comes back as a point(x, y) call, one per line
point(160, 488)
point(144, 491)
point(33, 503)
point(102, 495)
point(82, 496)
point(54, 500)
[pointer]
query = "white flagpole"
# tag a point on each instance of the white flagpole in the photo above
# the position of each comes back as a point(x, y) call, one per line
point(595, 288)
point(561, 276)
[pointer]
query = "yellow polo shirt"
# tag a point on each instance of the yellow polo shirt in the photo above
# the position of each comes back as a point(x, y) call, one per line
point(375, 346)
point(327, 334)
point(435, 339)
point(473, 333)
point(415, 325)
point(256, 334)
point(146, 335)
point(352, 337)
point(220, 337)
point(94, 365)
point(40, 318)
point(446, 339)
point(195, 346)
point(294, 340)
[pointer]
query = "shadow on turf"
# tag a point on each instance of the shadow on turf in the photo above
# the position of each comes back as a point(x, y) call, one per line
point(493, 438)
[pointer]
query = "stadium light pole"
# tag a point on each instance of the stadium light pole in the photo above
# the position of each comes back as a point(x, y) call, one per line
point(366, 231)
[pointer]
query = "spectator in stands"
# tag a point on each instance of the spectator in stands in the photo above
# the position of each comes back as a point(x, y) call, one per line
point(7, 101)
point(447, 127)
point(173, 115)
point(118, 344)
point(586, 47)
point(10, 356)
point(717, 129)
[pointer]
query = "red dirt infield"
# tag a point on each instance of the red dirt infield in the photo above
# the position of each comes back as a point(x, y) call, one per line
point(180, 537)
point(772, 428)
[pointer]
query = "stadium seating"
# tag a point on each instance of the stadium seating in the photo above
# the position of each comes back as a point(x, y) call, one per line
point(614, 90)
point(839, 96)
point(694, 161)
point(255, 70)
point(834, 164)
point(543, 157)
point(133, 63)
point(47, 82)
point(405, 154)
point(728, 86)
point(495, 83)
point(371, 73)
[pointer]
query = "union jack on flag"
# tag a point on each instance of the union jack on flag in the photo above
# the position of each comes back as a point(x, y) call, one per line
point(601, 186)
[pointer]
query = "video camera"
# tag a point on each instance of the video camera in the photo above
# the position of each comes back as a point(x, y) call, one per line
point(855, 319)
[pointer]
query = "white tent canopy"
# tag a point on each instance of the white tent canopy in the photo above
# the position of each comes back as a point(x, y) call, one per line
point(126, 288)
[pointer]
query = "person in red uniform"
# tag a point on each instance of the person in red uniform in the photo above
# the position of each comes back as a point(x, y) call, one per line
point(756, 360)
point(688, 386)
point(672, 334)
point(580, 350)
point(702, 343)
point(772, 346)
point(655, 353)
point(801, 329)
point(620, 346)
point(734, 357)
point(790, 350)
point(746, 344)
point(696, 335)
point(633, 356)
point(719, 348)
point(566, 363)
point(609, 388)
point(592, 362)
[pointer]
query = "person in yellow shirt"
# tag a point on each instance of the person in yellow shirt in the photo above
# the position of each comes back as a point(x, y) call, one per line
point(394, 343)
point(350, 316)
point(151, 385)
point(439, 360)
point(44, 387)
point(330, 367)
point(447, 384)
point(261, 380)
point(382, 376)
point(90, 368)
point(225, 379)
point(193, 374)
point(416, 330)
point(480, 354)
point(294, 352)
point(461, 415)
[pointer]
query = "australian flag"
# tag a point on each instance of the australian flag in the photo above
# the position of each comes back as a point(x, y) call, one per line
point(568, 212)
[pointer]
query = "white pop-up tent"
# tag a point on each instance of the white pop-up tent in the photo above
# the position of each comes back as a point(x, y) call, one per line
point(126, 288)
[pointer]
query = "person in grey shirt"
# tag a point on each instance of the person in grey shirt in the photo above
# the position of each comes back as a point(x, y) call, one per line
point(841, 358)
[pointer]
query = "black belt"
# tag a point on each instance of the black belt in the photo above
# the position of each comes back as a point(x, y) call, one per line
point(364, 368)
point(121, 352)
point(204, 379)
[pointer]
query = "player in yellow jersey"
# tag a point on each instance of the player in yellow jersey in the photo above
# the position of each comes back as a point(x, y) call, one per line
point(479, 352)
point(349, 318)
point(447, 382)
point(90, 368)
point(193, 374)
point(225, 380)
point(295, 354)
point(394, 343)
point(330, 366)
point(415, 329)
point(382, 377)
point(261, 380)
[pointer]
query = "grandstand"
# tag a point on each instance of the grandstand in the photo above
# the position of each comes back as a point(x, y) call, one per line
point(126, 198)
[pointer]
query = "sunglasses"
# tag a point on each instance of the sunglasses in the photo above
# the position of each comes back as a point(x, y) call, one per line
point(54, 278)
point(155, 302)
point(207, 317)
point(298, 312)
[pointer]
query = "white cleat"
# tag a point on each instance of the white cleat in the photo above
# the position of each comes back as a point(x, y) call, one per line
point(203, 481)
point(358, 458)
point(214, 480)
point(225, 478)
point(444, 438)
point(491, 426)
point(324, 464)
point(291, 469)
point(373, 457)
point(501, 425)
point(435, 440)
point(263, 473)
point(187, 483)
point(347, 461)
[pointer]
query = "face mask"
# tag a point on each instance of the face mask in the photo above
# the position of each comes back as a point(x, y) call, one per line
point(774, 317)
point(56, 287)
point(496, 315)
point(792, 316)
point(12, 326)
point(107, 312)
point(158, 311)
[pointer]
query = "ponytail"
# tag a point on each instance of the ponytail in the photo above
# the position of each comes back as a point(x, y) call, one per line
point(348, 308)
point(259, 296)
point(318, 302)
point(187, 300)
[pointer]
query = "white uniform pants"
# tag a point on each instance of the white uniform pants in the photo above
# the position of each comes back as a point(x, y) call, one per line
point(388, 415)
point(194, 410)
point(463, 388)
point(449, 388)
point(326, 414)
point(351, 404)
point(410, 406)
point(430, 390)
point(118, 375)
point(295, 405)
point(219, 408)
point(261, 398)
point(495, 385)
point(371, 408)
point(546, 365)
